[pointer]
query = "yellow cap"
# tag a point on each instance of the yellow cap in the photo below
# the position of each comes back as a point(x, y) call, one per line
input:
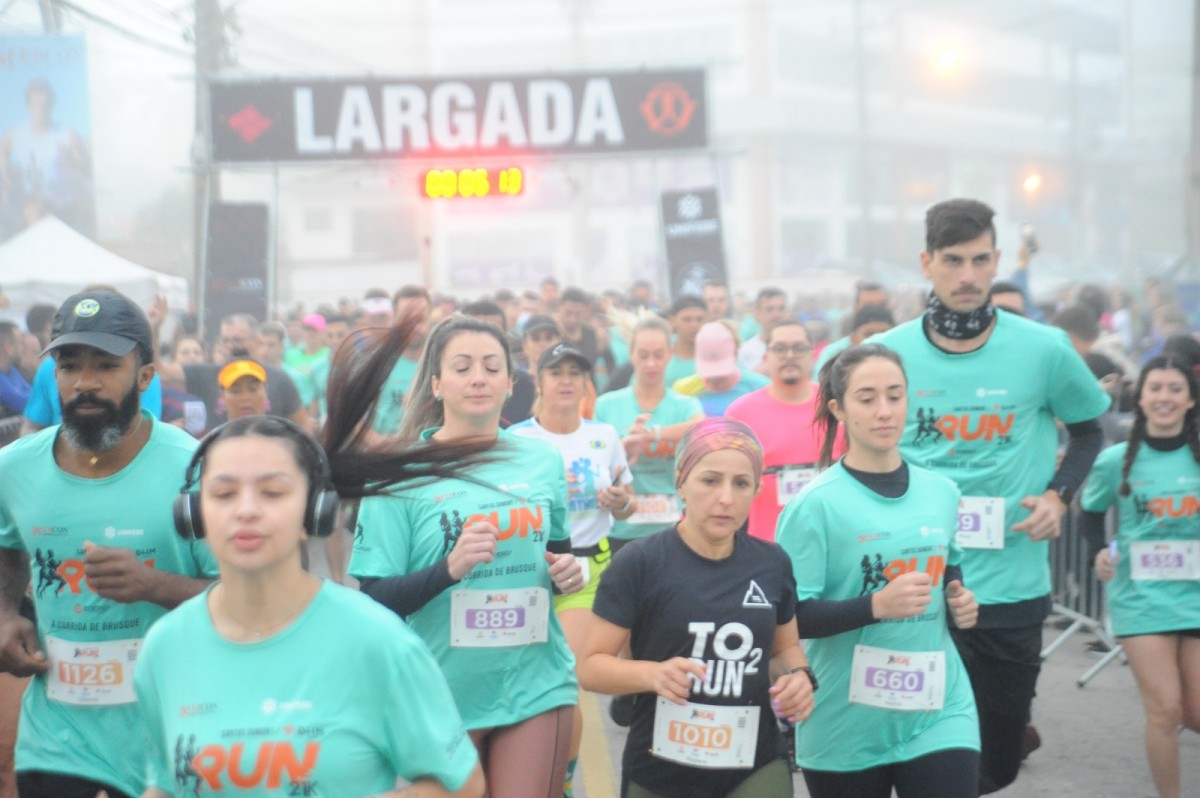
point(237, 369)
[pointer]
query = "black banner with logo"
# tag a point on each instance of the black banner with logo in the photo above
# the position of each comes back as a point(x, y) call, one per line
point(692, 230)
point(500, 116)
point(235, 266)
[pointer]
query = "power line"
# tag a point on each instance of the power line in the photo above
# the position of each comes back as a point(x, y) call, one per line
point(132, 10)
point(174, 15)
point(281, 60)
point(123, 31)
point(259, 23)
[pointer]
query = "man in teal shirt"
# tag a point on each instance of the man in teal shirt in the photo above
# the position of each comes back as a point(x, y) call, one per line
point(985, 390)
point(410, 300)
point(85, 511)
point(687, 317)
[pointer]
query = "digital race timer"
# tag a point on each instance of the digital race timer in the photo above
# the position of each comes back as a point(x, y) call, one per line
point(454, 183)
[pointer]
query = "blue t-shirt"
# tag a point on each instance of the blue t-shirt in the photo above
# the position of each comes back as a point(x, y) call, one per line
point(14, 392)
point(45, 408)
point(715, 404)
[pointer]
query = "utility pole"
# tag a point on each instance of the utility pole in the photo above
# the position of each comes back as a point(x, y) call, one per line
point(763, 218)
point(209, 38)
point(863, 113)
point(1193, 185)
point(51, 16)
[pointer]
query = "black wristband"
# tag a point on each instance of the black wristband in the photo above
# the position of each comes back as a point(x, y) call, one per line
point(807, 671)
point(1065, 492)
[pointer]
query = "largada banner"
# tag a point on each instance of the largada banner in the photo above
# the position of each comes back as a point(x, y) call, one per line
point(371, 118)
point(45, 133)
point(691, 222)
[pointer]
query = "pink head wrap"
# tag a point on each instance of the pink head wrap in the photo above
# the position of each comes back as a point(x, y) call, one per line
point(712, 434)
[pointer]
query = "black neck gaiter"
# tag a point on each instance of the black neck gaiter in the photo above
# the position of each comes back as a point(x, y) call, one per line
point(955, 325)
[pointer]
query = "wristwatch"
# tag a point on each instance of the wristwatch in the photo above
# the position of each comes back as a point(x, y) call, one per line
point(807, 671)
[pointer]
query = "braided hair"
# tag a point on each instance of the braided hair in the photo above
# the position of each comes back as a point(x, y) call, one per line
point(1190, 432)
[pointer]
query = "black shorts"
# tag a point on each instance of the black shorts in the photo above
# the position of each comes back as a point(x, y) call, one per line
point(1003, 664)
point(41, 784)
point(1181, 632)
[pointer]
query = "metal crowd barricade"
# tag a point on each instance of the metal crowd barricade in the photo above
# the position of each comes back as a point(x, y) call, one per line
point(1078, 596)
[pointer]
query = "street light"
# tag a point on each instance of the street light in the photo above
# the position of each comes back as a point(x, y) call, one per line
point(948, 60)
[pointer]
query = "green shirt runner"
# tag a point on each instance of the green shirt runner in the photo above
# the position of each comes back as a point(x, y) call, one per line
point(845, 540)
point(1156, 529)
point(344, 700)
point(79, 718)
point(654, 471)
point(986, 419)
point(494, 635)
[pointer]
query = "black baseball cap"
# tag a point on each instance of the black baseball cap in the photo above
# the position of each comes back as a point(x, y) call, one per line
point(540, 322)
point(560, 352)
point(105, 320)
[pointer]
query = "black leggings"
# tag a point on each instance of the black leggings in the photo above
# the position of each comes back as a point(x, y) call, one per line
point(953, 773)
point(1003, 665)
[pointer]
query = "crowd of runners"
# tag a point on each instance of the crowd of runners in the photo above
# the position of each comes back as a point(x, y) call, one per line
point(778, 548)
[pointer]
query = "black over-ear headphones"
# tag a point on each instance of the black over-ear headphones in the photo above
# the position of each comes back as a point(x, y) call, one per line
point(320, 512)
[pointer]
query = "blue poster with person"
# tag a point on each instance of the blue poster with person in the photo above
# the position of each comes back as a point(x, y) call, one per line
point(45, 133)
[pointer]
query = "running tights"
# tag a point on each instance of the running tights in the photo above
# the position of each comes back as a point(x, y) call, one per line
point(953, 773)
point(772, 780)
point(527, 759)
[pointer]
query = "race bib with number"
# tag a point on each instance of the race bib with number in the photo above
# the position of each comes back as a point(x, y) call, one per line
point(705, 736)
point(790, 481)
point(501, 617)
point(981, 522)
point(656, 508)
point(1164, 560)
point(903, 680)
point(91, 674)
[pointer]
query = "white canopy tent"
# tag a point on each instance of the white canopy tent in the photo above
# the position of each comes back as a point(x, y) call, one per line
point(49, 261)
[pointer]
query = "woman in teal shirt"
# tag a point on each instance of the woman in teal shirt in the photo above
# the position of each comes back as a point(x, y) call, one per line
point(472, 562)
point(872, 544)
point(652, 419)
point(1153, 567)
point(274, 682)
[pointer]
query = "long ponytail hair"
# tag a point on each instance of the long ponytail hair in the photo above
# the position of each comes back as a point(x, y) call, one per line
point(1138, 432)
point(358, 372)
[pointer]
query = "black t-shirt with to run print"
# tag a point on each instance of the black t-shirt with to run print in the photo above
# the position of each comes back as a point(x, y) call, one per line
point(677, 603)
